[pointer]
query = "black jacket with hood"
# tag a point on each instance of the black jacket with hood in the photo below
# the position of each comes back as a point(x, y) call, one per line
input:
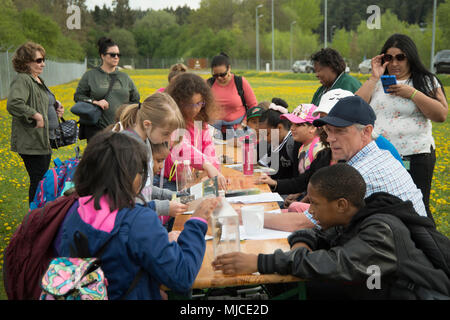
point(376, 236)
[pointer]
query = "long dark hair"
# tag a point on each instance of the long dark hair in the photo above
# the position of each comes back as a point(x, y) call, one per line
point(422, 79)
point(184, 86)
point(109, 166)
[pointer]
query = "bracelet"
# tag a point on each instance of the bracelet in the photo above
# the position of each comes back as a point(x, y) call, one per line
point(413, 95)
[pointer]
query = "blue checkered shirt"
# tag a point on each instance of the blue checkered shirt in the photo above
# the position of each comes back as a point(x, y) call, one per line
point(382, 172)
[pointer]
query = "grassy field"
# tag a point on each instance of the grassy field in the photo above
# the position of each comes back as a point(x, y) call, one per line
point(294, 88)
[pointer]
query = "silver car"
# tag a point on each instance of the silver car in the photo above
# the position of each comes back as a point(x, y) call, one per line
point(304, 66)
point(365, 66)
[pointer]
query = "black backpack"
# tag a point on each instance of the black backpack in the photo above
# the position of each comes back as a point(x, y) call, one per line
point(238, 83)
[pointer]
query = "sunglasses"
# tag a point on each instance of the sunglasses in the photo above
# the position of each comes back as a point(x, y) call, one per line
point(220, 75)
point(113, 55)
point(200, 104)
point(40, 60)
point(398, 57)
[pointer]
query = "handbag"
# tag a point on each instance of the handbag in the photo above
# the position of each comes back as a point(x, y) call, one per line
point(66, 134)
point(88, 112)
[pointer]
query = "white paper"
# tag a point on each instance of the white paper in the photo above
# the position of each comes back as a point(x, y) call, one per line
point(256, 198)
point(266, 234)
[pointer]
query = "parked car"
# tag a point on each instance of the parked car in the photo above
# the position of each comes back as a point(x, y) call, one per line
point(365, 66)
point(304, 66)
point(442, 61)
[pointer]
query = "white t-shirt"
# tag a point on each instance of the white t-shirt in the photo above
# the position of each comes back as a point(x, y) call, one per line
point(401, 122)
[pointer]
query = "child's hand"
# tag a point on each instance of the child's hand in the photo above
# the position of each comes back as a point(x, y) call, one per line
point(264, 178)
point(206, 207)
point(176, 208)
point(236, 263)
point(222, 182)
point(173, 236)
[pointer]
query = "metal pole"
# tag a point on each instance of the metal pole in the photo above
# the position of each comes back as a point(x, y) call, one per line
point(257, 38)
point(292, 23)
point(433, 37)
point(273, 42)
point(325, 26)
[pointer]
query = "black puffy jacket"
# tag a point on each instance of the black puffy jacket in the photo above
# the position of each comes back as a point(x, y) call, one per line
point(376, 236)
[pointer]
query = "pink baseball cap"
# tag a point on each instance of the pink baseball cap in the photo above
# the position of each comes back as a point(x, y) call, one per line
point(303, 113)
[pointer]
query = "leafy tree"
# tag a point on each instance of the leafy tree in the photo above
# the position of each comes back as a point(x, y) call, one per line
point(125, 40)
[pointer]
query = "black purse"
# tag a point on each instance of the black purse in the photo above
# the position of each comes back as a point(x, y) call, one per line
point(88, 112)
point(66, 134)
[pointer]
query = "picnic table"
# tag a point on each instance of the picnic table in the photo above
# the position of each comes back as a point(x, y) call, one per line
point(207, 276)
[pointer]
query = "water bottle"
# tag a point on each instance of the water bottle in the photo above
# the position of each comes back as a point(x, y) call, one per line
point(248, 157)
point(184, 175)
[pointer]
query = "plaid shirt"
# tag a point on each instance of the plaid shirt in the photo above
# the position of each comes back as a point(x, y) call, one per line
point(382, 172)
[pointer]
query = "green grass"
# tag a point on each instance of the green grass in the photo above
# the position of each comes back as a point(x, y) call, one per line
point(294, 88)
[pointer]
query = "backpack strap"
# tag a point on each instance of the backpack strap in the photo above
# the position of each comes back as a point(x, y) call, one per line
point(82, 250)
point(240, 89)
point(211, 81)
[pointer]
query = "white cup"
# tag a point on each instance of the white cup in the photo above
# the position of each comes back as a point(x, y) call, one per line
point(253, 219)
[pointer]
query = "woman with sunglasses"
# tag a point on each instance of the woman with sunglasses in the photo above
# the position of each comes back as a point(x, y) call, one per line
point(226, 92)
point(404, 115)
point(93, 88)
point(34, 111)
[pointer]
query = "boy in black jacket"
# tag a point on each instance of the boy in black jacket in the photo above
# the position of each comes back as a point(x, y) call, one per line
point(364, 250)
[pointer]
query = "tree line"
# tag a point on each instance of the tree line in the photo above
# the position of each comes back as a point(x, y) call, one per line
point(223, 26)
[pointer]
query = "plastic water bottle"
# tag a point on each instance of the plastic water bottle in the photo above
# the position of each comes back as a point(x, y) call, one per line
point(248, 157)
point(184, 175)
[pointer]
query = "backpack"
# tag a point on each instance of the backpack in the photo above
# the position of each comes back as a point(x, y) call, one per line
point(31, 248)
point(240, 89)
point(79, 278)
point(55, 181)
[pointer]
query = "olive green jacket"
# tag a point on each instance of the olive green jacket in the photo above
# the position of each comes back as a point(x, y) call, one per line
point(26, 98)
point(94, 86)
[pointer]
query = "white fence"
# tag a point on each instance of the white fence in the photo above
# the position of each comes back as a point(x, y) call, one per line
point(54, 72)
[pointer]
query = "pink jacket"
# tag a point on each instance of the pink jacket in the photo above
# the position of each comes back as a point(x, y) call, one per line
point(196, 146)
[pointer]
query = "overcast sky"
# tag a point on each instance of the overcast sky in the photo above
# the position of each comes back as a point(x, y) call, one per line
point(147, 4)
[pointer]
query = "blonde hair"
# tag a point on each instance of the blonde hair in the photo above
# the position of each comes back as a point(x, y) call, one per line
point(176, 69)
point(159, 108)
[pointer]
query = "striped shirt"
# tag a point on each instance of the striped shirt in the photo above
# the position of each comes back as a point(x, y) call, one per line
point(383, 173)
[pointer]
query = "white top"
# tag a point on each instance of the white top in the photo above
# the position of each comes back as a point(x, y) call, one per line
point(401, 122)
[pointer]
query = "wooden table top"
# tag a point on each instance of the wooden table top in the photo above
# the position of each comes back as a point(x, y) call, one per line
point(207, 277)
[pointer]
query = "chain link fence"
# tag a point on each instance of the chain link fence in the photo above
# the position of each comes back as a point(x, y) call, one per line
point(55, 72)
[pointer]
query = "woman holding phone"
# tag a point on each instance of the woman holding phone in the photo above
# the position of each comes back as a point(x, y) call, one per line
point(404, 115)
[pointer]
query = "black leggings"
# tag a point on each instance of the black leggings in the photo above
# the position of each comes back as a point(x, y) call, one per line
point(37, 166)
point(421, 167)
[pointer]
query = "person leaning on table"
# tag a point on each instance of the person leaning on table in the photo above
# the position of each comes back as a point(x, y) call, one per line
point(359, 235)
point(94, 84)
point(404, 116)
point(34, 111)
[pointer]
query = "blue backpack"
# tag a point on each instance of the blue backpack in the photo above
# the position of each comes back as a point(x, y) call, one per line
point(55, 181)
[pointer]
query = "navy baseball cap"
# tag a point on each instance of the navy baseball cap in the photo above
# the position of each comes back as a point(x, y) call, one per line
point(348, 111)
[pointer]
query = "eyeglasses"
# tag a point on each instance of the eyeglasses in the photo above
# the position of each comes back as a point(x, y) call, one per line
point(40, 60)
point(113, 55)
point(220, 75)
point(398, 57)
point(200, 104)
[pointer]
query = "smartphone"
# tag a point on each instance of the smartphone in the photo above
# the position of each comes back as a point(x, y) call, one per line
point(388, 81)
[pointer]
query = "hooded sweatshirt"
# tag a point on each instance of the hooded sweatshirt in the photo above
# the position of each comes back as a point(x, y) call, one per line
point(376, 236)
point(139, 242)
